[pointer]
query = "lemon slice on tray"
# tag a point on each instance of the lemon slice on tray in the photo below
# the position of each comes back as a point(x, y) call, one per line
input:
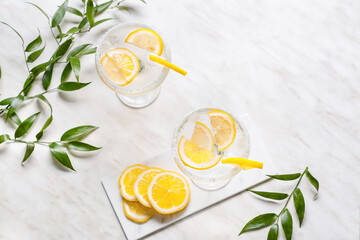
point(127, 181)
point(168, 192)
point(136, 211)
point(120, 65)
point(146, 39)
point(142, 184)
point(224, 128)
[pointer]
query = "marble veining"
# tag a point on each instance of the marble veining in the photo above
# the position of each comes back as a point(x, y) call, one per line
point(292, 65)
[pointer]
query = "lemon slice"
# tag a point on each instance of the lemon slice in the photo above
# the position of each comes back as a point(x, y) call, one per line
point(202, 136)
point(136, 211)
point(192, 155)
point(120, 65)
point(169, 192)
point(147, 39)
point(224, 127)
point(244, 163)
point(142, 184)
point(112, 71)
point(127, 181)
point(167, 64)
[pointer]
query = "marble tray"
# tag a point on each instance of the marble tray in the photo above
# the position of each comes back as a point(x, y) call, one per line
point(200, 199)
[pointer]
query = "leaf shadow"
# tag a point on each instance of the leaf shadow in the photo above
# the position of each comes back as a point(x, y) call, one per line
point(83, 154)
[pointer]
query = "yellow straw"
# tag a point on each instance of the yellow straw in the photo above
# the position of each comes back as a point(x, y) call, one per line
point(243, 163)
point(167, 64)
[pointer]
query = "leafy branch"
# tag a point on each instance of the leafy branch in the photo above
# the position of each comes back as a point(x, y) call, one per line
point(284, 216)
point(65, 53)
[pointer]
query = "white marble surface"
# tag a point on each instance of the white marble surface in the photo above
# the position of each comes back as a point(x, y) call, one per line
point(292, 65)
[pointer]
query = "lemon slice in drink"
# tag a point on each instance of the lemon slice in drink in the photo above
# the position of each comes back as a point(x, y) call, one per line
point(194, 156)
point(202, 136)
point(136, 211)
point(142, 184)
point(244, 163)
point(127, 181)
point(120, 65)
point(146, 39)
point(224, 127)
point(168, 192)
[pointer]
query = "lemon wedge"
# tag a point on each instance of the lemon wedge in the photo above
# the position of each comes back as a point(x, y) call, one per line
point(244, 163)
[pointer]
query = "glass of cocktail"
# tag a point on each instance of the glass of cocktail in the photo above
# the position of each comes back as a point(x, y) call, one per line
point(202, 139)
point(123, 64)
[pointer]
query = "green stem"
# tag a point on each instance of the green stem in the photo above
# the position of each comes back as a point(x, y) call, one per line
point(34, 142)
point(292, 193)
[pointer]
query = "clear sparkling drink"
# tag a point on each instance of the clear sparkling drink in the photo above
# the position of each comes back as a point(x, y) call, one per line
point(218, 174)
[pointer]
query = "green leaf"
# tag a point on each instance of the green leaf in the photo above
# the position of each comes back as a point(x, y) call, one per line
point(273, 232)
point(29, 82)
point(75, 65)
point(258, 222)
point(60, 154)
point(60, 32)
point(34, 44)
point(143, 1)
point(63, 48)
point(15, 118)
point(66, 72)
point(102, 7)
point(14, 105)
point(286, 177)
point(72, 30)
point(7, 101)
point(90, 12)
point(88, 51)
point(47, 123)
point(35, 55)
point(313, 181)
point(59, 14)
point(76, 51)
point(83, 22)
point(42, 11)
point(74, 11)
point(286, 223)
point(271, 195)
point(80, 146)
point(123, 8)
point(46, 79)
point(29, 150)
point(4, 138)
point(299, 203)
point(26, 125)
point(77, 132)
point(72, 86)
point(22, 40)
point(101, 21)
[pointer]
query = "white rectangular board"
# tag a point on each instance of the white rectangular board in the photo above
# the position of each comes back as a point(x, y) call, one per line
point(200, 199)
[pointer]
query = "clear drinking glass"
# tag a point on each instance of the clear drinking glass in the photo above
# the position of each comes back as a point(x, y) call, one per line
point(145, 88)
point(220, 174)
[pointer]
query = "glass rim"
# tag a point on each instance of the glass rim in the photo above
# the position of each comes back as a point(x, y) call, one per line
point(122, 90)
point(182, 166)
